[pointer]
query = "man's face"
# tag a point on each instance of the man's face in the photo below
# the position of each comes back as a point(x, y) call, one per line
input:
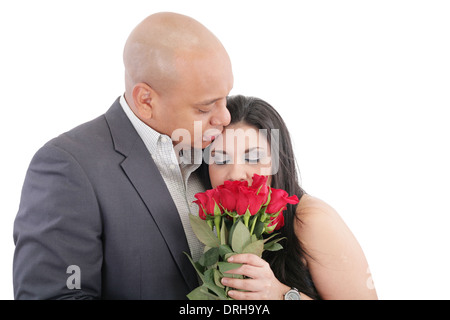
point(197, 98)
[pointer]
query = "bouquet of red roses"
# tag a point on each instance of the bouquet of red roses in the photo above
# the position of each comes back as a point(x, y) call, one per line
point(241, 215)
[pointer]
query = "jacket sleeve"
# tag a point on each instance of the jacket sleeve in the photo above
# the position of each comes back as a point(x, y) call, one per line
point(57, 231)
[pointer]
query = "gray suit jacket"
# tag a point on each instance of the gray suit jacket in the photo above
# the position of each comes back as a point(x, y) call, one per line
point(93, 198)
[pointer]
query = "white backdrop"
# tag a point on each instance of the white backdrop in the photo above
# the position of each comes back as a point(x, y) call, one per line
point(364, 87)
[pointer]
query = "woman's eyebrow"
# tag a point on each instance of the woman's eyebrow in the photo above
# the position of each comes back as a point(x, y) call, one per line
point(254, 148)
point(213, 152)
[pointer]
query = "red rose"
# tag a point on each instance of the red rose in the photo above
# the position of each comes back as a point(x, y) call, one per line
point(278, 200)
point(206, 202)
point(227, 198)
point(229, 193)
point(233, 186)
point(249, 199)
point(260, 184)
point(277, 221)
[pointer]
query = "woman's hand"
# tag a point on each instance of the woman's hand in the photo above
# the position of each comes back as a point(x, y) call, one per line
point(261, 283)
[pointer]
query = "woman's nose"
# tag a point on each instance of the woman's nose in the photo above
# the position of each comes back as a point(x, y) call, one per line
point(237, 172)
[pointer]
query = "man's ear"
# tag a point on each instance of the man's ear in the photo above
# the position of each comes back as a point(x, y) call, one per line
point(143, 95)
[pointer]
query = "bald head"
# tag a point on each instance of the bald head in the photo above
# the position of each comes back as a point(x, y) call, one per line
point(159, 46)
point(178, 75)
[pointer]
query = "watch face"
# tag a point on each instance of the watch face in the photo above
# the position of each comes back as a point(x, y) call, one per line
point(292, 295)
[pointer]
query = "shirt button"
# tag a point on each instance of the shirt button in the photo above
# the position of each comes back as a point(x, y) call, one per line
point(172, 166)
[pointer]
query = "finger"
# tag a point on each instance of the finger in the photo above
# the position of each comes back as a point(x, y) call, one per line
point(247, 270)
point(242, 284)
point(243, 295)
point(248, 258)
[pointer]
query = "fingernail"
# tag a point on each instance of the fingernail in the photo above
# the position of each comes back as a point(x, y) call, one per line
point(224, 281)
point(230, 259)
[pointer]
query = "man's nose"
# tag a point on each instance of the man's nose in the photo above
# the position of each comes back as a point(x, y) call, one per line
point(222, 116)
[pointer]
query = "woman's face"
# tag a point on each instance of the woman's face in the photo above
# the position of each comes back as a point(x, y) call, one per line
point(241, 151)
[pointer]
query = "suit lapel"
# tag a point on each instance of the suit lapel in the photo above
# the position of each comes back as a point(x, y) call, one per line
point(146, 178)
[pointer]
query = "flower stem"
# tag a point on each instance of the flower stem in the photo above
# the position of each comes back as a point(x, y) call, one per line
point(253, 224)
point(217, 222)
point(247, 216)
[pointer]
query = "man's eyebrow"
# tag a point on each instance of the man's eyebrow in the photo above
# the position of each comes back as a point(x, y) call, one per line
point(208, 102)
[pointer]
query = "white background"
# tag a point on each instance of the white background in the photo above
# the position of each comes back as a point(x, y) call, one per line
point(364, 87)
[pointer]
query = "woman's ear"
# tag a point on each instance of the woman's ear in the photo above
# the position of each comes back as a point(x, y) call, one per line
point(143, 95)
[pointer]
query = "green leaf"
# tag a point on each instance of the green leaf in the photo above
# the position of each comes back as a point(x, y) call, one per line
point(241, 237)
point(196, 266)
point(227, 266)
point(274, 245)
point(201, 293)
point(259, 228)
point(203, 231)
point(224, 249)
point(217, 212)
point(211, 285)
point(233, 227)
point(196, 294)
point(218, 291)
point(209, 276)
point(210, 257)
point(256, 248)
point(270, 229)
point(272, 236)
point(217, 277)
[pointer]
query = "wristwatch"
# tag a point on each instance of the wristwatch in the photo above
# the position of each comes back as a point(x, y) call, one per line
point(292, 294)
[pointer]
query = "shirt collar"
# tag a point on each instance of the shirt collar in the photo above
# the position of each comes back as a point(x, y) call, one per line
point(153, 139)
point(150, 136)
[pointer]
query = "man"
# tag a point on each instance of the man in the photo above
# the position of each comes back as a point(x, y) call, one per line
point(104, 207)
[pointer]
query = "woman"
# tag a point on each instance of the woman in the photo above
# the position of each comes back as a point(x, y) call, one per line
point(321, 258)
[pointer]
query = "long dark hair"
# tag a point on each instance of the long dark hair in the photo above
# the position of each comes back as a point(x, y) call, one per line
point(287, 264)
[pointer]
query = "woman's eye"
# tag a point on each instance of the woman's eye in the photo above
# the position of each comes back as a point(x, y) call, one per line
point(252, 161)
point(221, 159)
point(221, 162)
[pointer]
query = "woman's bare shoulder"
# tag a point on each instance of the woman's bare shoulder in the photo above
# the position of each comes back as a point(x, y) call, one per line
point(311, 207)
point(318, 222)
point(335, 259)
